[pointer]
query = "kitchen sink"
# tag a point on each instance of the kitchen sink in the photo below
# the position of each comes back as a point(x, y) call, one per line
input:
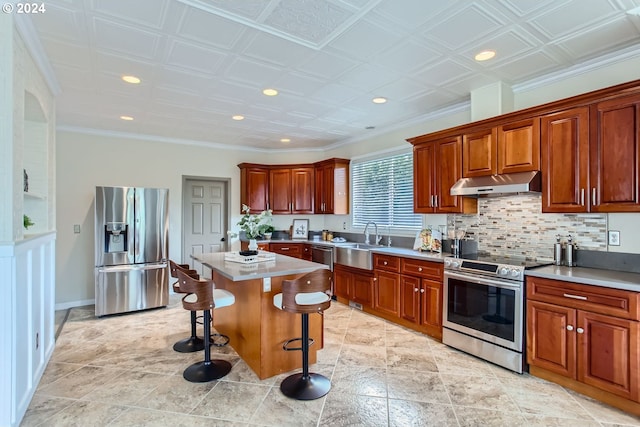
point(356, 255)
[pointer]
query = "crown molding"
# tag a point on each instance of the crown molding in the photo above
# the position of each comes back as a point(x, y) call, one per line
point(179, 141)
point(578, 69)
point(27, 31)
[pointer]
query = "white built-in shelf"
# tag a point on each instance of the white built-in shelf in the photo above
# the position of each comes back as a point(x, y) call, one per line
point(31, 195)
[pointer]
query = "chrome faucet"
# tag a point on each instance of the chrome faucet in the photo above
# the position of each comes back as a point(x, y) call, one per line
point(366, 233)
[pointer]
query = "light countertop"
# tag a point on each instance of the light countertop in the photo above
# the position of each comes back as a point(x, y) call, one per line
point(235, 271)
point(589, 276)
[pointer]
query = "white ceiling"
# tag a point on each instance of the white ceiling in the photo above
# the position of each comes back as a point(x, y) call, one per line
point(202, 61)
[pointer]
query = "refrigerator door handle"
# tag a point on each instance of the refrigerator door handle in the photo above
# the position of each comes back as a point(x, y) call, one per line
point(140, 267)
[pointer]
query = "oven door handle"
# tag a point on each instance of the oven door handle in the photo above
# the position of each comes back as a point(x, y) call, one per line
point(482, 281)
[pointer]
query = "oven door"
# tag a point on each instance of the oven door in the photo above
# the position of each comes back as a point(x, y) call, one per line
point(486, 308)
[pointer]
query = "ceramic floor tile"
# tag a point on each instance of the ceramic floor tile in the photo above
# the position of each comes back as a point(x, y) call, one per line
point(232, 401)
point(477, 417)
point(342, 409)
point(364, 380)
point(406, 413)
point(487, 393)
point(417, 386)
point(278, 410)
point(122, 370)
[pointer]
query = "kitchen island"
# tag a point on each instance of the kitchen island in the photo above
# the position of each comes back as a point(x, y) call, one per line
point(255, 327)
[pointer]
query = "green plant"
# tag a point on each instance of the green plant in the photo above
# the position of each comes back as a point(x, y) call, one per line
point(254, 225)
point(26, 221)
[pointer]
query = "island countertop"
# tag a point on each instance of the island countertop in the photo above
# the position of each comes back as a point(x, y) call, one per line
point(235, 271)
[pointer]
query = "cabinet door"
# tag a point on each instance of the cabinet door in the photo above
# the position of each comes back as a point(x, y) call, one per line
point(387, 293)
point(431, 304)
point(342, 282)
point(254, 188)
point(519, 146)
point(410, 298)
point(448, 170)
point(565, 161)
point(362, 289)
point(479, 150)
point(608, 356)
point(615, 156)
point(551, 342)
point(280, 190)
point(302, 195)
point(423, 178)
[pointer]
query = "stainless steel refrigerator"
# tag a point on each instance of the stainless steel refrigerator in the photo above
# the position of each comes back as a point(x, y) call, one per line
point(131, 250)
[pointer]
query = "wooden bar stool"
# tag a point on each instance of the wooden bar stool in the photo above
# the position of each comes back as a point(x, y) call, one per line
point(310, 293)
point(202, 295)
point(193, 343)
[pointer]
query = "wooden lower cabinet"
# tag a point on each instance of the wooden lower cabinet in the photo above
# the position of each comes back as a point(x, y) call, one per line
point(353, 284)
point(574, 339)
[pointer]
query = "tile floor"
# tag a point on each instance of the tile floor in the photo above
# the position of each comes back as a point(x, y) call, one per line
point(122, 371)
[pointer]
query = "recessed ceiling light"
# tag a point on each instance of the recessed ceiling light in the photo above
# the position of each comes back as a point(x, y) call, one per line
point(379, 100)
point(238, 117)
point(285, 140)
point(485, 55)
point(270, 92)
point(126, 118)
point(131, 79)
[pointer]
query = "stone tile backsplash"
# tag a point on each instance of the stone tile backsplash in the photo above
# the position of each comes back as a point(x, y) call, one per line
point(514, 225)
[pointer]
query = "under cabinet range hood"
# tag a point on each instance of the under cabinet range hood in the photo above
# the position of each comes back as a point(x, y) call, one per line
point(519, 182)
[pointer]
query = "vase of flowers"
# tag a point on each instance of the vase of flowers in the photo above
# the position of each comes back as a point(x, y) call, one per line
point(254, 225)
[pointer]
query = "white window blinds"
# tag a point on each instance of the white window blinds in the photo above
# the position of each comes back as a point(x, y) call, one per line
point(383, 192)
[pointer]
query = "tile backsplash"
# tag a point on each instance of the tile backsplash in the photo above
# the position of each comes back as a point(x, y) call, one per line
point(514, 225)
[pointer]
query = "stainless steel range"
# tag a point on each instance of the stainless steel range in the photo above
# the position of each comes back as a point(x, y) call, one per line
point(484, 307)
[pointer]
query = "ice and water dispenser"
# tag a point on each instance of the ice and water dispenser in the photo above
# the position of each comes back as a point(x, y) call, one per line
point(115, 237)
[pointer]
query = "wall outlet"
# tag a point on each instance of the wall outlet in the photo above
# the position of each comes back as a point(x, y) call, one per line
point(614, 238)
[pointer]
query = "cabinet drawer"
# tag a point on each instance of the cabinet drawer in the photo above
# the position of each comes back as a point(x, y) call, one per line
point(418, 268)
point(290, 249)
point(386, 262)
point(597, 299)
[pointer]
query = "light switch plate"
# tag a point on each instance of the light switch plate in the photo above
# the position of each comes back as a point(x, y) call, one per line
point(614, 238)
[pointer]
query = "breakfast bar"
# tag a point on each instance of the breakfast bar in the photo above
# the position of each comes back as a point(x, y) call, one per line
point(255, 327)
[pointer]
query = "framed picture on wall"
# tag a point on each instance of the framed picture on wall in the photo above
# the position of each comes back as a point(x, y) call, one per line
point(300, 229)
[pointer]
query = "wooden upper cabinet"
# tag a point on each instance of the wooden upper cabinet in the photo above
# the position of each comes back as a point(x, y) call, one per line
point(519, 146)
point(479, 153)
point(291, 190)
point(437, 165)
point(285, 190)
point(332, 187)
point(565, 160)
point(254, 187)
point(615, 155)
point(507, 148)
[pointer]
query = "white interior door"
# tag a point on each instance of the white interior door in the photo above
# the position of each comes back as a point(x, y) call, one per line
point(204, 217)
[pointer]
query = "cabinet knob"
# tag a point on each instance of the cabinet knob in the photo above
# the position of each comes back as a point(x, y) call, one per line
point(569, 328)
point(580, 330)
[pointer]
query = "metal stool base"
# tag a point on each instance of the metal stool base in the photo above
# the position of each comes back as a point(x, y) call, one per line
point(202, 372)
point(312, 387)
point(189, 345)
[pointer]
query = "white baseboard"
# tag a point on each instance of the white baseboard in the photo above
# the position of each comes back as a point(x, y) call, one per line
point(71, 304)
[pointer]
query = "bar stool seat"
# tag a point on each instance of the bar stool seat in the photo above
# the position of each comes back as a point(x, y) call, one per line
point(202, 295)
point(310, 293)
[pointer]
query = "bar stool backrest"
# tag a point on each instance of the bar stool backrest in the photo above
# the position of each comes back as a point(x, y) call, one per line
point(185, 268)
point(310, 293)
point(202, 289)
